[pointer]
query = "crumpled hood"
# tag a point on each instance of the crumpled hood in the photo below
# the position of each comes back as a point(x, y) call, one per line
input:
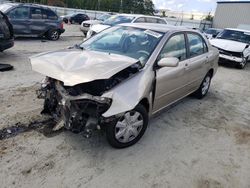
point(79, 66)
point(229, 45)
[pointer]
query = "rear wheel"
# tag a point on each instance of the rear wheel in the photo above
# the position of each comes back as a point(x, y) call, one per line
point(204, 87)
point(128, 129)
point(53, 35)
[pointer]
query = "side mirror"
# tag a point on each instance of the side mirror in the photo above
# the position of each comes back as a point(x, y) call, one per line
point(168, 62)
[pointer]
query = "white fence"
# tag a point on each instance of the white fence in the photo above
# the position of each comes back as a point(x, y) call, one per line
point(94, 14)
point(172, 21)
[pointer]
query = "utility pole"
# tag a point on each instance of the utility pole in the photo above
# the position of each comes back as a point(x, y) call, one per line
point(121, 6)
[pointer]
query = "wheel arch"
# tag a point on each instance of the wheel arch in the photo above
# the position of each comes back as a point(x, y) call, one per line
point(211, 71)
point(145, 102)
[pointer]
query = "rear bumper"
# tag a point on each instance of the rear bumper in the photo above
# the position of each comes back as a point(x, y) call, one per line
point(6, 44)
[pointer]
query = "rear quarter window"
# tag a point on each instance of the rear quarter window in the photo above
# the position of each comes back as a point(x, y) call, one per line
point(49, 14)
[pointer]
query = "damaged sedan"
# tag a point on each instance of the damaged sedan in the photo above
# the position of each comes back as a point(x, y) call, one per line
point(119, 78)
point(234, 46)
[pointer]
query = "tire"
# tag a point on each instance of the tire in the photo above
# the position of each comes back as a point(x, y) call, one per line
point(242, 64)
point(5, 67)
point(121, 134)
point(53, 35)
point(66, 20)
point(204, 87)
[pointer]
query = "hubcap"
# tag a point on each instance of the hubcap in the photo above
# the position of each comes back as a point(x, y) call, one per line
point(54, 35)
point(205, 85)
point(128, 127)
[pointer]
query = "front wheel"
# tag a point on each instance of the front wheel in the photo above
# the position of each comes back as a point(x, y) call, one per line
point(53, 35)
point(128, 129)
point(204, 87)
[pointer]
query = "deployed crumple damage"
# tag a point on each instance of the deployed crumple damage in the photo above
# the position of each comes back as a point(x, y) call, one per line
point(228, 45)
point(125, 96)
point(231, 46)
point(82, 89)
point(77, 66)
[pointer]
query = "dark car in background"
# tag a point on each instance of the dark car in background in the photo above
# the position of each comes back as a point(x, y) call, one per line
point(75, 18)
point(33, 20)
point(6, 33)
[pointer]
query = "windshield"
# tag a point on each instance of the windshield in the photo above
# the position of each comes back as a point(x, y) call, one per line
point(128, 41)
point(103, 17)
point(114, 20)
point(211, 31)
point(239, 36)
point(5, 7)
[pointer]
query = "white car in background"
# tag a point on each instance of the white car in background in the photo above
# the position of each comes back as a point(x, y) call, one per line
point(123, 18)
point(88, 23)
point(234, 46)
point(212, 32)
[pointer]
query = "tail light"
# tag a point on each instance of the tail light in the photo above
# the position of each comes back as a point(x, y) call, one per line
point(61, 26)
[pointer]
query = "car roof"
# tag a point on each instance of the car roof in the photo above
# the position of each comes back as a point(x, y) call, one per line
point(235, 29)
point(27, 4)
point(163, 28)
point(139, 15)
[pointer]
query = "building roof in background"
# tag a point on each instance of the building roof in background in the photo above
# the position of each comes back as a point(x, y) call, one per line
point(231, 2)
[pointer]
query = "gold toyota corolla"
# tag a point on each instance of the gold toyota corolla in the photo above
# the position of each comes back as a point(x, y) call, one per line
point(120, 77)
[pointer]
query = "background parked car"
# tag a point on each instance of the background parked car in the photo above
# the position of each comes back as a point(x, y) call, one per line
point(6, 33)
point(87, 24)
point(212, 32)
point(75, 18)
point(124, 18)
point(233, 45)
point(33, 20)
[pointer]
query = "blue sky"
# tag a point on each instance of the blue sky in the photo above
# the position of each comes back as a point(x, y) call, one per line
point(187, 5)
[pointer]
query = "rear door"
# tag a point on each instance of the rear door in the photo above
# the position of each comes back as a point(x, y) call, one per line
point(37, 25)
point(198, 64)
point(19, 18)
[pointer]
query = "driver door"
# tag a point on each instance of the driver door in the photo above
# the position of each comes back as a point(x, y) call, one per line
point(171, 82)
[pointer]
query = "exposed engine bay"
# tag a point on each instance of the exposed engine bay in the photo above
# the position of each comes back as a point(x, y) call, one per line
point(79, 108)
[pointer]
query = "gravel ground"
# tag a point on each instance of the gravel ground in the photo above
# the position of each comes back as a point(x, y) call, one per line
point(196, 143)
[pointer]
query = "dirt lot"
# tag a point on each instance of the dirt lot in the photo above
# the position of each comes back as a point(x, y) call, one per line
point(201, 144)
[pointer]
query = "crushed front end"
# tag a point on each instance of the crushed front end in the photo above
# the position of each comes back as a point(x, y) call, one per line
point(78, 108)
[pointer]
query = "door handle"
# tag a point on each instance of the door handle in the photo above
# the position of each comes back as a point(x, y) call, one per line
point(207, 60)
point(186, 67)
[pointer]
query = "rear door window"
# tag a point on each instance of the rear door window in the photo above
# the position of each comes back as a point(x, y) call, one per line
point(19, 13)
point(161, 21)
point(48, 14)
point(36, 13)
point(140, 20)
point(197, 46)
point(151, 20)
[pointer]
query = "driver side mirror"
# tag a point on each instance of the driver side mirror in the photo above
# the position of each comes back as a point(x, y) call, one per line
point(168, 62)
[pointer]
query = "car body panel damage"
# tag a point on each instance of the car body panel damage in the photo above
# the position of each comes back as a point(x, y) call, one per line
point(82, 107)
point(89, 87)
point(77, 66)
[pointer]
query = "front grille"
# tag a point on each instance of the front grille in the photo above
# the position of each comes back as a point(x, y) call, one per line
point(229, 53)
